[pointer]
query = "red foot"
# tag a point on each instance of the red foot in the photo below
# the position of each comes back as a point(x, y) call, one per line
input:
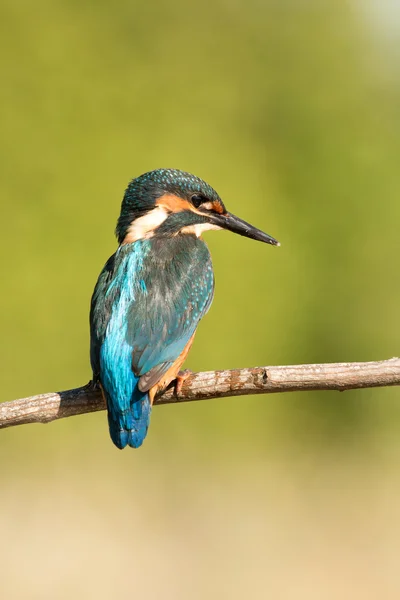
point(180, 379)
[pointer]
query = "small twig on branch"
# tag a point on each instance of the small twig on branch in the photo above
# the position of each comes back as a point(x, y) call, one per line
point(212, 384)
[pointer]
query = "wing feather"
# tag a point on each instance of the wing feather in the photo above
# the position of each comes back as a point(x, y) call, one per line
point(172, 299)
point(171, 289)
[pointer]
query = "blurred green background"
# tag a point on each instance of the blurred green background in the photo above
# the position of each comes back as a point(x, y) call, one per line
point(291, 110)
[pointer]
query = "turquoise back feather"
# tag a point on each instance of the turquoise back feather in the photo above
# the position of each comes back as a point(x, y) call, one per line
point(146, 306)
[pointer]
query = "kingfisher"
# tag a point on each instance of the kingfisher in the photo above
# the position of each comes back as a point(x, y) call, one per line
point(153, 292)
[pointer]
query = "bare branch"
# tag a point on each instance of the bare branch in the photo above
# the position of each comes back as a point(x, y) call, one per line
point(212, 384)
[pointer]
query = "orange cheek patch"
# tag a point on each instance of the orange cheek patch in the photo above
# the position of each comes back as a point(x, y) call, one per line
point(174, 203)
point(217, 207)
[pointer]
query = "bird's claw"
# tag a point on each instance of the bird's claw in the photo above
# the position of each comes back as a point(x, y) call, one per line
point(180, 379)
point(92, 386)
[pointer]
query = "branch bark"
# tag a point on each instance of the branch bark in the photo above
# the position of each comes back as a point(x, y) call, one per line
point(212, 384)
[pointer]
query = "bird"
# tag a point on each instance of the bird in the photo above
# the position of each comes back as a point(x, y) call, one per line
point(153, 292)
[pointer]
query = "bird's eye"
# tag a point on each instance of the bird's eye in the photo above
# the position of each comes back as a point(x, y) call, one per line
point(197, 199)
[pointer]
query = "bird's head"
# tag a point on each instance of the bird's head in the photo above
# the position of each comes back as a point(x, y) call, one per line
point(168, 202)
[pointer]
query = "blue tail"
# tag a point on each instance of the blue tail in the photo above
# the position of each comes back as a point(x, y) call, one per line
point(128, 426)
point(128, 408)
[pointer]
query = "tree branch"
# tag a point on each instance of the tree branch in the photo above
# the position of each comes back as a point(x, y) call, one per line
point(212, 384)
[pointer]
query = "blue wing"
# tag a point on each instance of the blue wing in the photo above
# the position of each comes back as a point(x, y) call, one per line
point(147, 304)
point(176, 290)
point(128, 409)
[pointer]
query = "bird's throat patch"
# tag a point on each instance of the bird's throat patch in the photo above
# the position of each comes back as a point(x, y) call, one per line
point(198, 228)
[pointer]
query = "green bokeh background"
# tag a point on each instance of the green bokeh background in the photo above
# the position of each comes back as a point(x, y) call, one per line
point(291, 110)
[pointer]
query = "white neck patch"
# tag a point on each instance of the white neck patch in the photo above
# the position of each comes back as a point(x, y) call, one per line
point(143, 227)
point(199, 228)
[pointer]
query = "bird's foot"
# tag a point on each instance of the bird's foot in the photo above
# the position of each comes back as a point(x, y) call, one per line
point(92, 386)
point(180, 379)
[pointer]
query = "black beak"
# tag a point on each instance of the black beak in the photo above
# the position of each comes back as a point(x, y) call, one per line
point(233, 223)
